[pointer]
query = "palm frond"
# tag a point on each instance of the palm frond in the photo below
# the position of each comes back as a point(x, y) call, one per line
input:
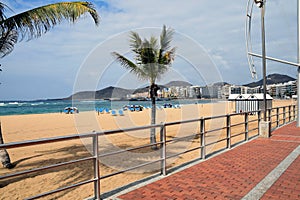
point(166, 37)
point(3, 8)
point(161, 70)
point(132, 67)
point(153, 43)
point(168, 57)
point(7, 42)
point(135, 41)
point(35, 22)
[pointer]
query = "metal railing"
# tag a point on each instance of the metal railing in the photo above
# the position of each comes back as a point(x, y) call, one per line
point(232, 133)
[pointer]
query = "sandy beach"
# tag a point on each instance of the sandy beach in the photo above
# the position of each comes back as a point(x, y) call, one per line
point(29, 127)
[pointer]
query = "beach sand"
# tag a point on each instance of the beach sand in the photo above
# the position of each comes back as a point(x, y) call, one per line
point(29, 127)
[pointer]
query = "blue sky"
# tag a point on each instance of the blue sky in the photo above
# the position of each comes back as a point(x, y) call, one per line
point(209, 35)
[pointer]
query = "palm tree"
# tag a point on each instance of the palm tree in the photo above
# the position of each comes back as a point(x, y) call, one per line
point(33, 24)
point(152, 60)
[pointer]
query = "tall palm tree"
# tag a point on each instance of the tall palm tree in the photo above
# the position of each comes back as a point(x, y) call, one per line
point(152, 60)
point(32, 24)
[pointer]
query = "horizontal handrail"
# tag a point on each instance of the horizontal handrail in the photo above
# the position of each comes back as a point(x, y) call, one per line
point(45, 168)
point(61, 189)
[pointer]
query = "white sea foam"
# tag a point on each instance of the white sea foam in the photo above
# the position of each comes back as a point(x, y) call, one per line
point(13, 103)
point(36, 104)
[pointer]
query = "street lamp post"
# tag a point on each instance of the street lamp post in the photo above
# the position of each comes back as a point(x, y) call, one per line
point(264, 64)
point(261, 4)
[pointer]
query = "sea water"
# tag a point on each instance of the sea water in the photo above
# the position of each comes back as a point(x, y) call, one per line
point(56, 106)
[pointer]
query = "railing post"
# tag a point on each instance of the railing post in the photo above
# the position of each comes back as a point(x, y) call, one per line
point(163, 150)
point(290, 116)
point(228, 131)
point(202, 138)
point(246, 126)
point(294, 110)
point(269, 115)
point(96, 167)
point(277, 117)
point(258, 121)
point(284, 117)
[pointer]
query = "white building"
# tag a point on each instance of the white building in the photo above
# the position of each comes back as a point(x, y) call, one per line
point(250, 102)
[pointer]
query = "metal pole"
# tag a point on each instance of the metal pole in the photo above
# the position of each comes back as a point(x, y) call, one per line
point(263, 38)
point(163, 140)
point(275, 59)
point(228, 129)
point(246, 126)
point(202, 136)
point(298, 81)
point(96, 167)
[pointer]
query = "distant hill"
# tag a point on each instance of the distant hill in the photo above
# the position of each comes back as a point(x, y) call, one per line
point(272, 79)
point(81, 95)
point(106, 93)
point(112, 92)
point(220, 84)
point(178, 84)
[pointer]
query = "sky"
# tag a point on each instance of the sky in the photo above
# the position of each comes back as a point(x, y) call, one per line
point(209, 39)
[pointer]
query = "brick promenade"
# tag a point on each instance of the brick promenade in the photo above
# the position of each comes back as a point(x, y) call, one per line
point(259, 169)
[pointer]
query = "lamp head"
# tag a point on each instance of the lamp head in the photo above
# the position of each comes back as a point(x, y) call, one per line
point(259, 3)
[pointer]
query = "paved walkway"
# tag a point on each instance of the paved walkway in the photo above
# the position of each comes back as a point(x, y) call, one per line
point(259, 169)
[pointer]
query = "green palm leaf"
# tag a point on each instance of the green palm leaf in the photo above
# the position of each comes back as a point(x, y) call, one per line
point(126, 63)
point(135, 41)
point(7, 42)
point(166, 37)
point(35, 22)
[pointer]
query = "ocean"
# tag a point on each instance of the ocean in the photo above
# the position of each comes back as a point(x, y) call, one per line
point(56, 106)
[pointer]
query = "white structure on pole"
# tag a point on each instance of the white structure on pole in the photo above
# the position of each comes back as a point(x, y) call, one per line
point(250, 102)
point(250, 54)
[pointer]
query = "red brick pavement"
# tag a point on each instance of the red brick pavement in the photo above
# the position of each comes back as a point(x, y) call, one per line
point(288, 185)
point(232, 174)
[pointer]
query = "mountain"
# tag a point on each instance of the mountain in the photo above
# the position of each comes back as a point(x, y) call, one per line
point(112, 92)
point(106, 93)
point(272, 79)
point(178, 84)
point(220, 84)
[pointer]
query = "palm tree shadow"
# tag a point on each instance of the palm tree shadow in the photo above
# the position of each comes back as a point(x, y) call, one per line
point(16, 163)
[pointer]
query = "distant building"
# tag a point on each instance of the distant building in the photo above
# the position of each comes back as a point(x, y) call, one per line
point(210, 91)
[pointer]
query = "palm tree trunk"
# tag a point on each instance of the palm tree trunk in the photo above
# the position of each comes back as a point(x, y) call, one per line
point(4, 157)
point(153, 117)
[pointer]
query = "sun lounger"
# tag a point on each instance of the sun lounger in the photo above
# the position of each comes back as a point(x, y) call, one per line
point(113, 113)
point(121, 112)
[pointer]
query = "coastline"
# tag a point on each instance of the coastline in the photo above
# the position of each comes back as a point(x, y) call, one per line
point(57, 106)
